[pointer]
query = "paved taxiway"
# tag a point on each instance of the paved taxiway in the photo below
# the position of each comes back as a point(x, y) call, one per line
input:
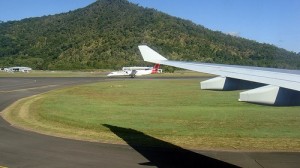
point(20, 148)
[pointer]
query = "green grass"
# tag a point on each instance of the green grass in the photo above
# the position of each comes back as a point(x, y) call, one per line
point(39, 73)
point(176, 111)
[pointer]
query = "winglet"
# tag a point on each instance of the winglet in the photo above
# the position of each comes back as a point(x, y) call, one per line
point(150, 55)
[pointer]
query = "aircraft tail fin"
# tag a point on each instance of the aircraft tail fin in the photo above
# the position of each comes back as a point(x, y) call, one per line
point(150, 55)
point(155, 68)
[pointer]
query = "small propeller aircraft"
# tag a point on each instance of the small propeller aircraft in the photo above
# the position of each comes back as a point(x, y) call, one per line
point(136, 71)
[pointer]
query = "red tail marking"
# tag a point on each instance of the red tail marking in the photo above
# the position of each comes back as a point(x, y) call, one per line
point(155, 69)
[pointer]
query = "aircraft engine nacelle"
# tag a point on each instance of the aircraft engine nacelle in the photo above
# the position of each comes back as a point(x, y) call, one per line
point(225, 83)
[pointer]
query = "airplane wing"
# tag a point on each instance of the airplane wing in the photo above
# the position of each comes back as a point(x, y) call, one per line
point(282, 87)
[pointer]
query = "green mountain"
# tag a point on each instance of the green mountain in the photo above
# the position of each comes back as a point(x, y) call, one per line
point(106, 34)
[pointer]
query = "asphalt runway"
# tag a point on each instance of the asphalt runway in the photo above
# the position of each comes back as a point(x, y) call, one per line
point(20, 148)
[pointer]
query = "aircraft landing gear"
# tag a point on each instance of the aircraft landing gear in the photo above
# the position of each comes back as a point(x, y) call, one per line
point(132, 75)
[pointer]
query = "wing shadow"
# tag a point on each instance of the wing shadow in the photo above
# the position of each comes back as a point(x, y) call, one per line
point(164, 154)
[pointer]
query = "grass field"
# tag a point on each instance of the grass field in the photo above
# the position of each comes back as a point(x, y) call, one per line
point(176, 111)
point(39, 73)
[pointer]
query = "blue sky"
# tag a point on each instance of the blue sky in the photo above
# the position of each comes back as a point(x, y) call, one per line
point(270, 21)
point(20, 9)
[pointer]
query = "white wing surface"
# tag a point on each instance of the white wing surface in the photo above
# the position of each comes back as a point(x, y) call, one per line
point(284, 79)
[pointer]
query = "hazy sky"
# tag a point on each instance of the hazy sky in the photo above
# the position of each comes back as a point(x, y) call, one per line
point(271, 21)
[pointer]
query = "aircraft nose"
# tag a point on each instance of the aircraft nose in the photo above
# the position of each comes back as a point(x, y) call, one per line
point(111, 74)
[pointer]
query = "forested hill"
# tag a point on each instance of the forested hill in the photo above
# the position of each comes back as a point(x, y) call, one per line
point(106, 34)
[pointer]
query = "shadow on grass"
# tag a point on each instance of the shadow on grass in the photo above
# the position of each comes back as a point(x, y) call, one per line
point(163, 154)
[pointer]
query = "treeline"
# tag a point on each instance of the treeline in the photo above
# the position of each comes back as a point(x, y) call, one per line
point(106, 34)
